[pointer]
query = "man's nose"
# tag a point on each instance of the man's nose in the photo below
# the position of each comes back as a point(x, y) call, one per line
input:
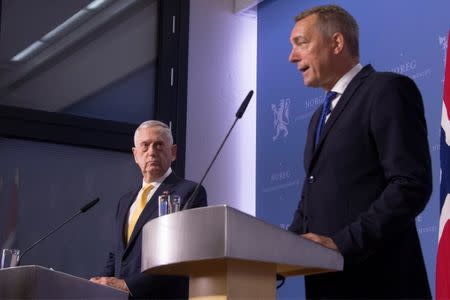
point(151, 150)
point(293, 58)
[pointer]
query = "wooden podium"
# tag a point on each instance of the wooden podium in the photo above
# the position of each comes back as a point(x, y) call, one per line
point(35, 282)
point(228, 254)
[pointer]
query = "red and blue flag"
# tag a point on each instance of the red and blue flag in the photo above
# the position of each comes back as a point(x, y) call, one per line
point(443, 255)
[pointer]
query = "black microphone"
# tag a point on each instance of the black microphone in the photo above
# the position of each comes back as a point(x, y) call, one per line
point(239, 114)
point(82, 210)
point(88, 206)
point(244, 105)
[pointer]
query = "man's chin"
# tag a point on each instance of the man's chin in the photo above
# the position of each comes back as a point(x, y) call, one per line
point(307, 81)
point(154, 173)
point(310, 83)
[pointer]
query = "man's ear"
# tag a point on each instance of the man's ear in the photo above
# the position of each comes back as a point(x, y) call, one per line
point(174, 152)
point(133, 149)
point(338, 42)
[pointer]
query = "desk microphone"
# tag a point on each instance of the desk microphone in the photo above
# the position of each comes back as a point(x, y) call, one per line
point(239, 115)
point(82, 210)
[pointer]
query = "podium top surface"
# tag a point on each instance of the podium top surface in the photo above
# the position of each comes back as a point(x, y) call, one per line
point(214, 233)
point(36, 282)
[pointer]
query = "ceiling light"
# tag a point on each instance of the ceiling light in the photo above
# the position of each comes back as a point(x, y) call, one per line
point(25, 53)
point(69, 23)
point(96, 4)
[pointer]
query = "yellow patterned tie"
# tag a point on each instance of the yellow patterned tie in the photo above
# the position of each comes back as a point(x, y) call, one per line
point(140, 205)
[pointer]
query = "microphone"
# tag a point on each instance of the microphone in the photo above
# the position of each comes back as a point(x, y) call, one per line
point(239, 115)
point(84, 209)
point(88, 206)
point(243, 107)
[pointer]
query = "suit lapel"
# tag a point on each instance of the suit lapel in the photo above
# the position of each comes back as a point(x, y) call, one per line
point(336, 113)
point(309, 146)
point(123, 216)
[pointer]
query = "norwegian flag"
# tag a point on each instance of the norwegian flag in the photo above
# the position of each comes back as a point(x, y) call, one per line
point(443, 255)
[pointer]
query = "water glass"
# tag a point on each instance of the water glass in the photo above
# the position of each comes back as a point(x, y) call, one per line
point(168, 204)
point(10, 258)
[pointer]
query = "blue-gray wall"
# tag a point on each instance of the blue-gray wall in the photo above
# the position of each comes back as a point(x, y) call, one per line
point(54, 182)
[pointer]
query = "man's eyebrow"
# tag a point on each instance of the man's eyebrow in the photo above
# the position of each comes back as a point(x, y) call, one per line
point(298, 38)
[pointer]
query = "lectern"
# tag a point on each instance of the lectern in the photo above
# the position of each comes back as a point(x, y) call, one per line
point(228, 254)
point(35, 282)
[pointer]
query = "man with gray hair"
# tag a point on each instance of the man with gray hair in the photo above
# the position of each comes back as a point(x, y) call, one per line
point(153, 152)
point(367, 165)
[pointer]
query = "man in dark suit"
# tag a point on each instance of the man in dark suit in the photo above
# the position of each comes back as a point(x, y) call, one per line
point(367, 165)
point(153, 152)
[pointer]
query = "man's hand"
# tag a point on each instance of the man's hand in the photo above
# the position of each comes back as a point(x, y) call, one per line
point(112, 282)
point(320, 239)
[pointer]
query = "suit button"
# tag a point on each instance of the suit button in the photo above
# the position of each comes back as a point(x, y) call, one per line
point(311, 179)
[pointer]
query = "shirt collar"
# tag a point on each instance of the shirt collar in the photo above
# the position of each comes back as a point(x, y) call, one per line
point(344, 81)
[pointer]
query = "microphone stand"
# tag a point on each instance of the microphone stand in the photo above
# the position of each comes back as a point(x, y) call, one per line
point(82, 210)
point(239, 115)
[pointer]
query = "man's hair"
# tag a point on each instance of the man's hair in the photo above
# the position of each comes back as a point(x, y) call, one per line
point(332, 19)
point(153, 123)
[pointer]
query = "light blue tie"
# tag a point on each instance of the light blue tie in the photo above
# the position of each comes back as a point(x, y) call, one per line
point(325, 111)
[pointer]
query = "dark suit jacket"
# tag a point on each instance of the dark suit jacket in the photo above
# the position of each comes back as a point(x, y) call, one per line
point(366, 181)
point(125, 260)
